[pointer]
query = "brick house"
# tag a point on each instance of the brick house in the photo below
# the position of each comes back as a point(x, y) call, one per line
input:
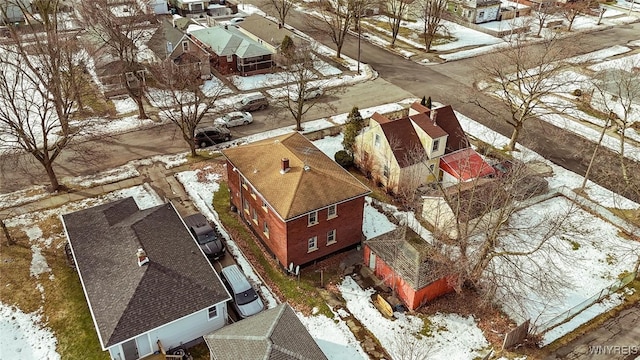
point(401, 259)
point(299, 203)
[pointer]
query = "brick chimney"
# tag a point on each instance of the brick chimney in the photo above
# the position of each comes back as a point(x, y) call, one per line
point(142, 257)
point(284, 166)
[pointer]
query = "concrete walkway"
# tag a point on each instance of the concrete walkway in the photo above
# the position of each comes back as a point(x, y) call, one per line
point(156, 176)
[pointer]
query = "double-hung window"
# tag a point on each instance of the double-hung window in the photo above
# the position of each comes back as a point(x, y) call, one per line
point(312, 244)
point(313, 218)
point(332, 211)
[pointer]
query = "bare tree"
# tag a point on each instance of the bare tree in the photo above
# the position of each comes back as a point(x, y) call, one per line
point(524, 78)
point(542, 14)
point(281, 8)
point(304, 91)
point(41, 73)
point(572, 9)
point(482, 236)
point(333, 19)
point(182, 95)
point(397, 9)
point(432, 11)
point(617, 92)
point(6, 234)
point(119, 36)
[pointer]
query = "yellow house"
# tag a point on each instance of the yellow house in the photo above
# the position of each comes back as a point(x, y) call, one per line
point(402, 154)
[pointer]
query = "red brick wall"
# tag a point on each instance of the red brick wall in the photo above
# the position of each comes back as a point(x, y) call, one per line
point(348, 226)
point(288, 241)
point(405, 292)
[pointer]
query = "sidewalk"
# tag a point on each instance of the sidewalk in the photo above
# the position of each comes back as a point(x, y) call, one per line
point(160, 179)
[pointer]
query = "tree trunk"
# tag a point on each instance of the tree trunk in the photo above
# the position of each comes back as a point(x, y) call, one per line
point(623, 165)
point(142, 114)
point(593, 156)
point(5, 231)
point(53, 179)
point(514, 138)
point(339, 51)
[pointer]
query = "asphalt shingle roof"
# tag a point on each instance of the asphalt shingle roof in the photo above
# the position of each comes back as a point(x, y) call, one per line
point(274, 334)
point(127, 299)
point(297, 191)
point(229, 41)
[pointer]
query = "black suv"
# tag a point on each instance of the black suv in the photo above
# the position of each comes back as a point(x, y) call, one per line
point(208, 238)
point(211, 135)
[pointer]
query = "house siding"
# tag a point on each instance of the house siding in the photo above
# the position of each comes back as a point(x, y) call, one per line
point(378, 157)
point(411, 297)
point(181, 331)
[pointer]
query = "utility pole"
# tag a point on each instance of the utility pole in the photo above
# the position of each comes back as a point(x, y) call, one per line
point(358, 25)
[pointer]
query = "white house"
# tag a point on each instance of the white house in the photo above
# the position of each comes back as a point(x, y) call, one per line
point(146, 280)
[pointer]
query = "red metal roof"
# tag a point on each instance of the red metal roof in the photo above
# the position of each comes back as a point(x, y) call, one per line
point(465, 164)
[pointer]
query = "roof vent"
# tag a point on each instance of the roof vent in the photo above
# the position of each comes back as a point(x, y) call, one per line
point(306, 167)
point(284, 166)
point(142, 257)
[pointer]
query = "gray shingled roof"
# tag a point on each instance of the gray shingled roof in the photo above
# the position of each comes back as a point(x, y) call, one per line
point(275, 334)
point(229, 41)
point(126, 299)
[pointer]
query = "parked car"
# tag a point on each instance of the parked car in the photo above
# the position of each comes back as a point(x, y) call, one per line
point(234, 118)
point(313, 93)
point(207, 136)
point(245, 299)
point(207, 236)
point(236, 20)
point(309, 94)
point(252, 102)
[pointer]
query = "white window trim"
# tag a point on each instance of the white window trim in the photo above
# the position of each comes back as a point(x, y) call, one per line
point(265, 226)
point(435, 145)
point(215, 309)
point(309, 222)
point(335, 212)
point(315, 244)
point(334, 237)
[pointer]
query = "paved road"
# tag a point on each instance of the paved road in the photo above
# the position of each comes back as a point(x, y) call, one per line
point(452, 83)
point(617, 339)
point(117, 150)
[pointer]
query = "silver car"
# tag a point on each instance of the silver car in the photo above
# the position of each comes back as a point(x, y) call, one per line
point(245, 299)
point(234, 118)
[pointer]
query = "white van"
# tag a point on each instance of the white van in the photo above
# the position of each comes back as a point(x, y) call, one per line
point(245, 299)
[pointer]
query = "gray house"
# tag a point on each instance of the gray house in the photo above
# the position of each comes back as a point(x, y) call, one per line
point(146, 281)
point(275, 334)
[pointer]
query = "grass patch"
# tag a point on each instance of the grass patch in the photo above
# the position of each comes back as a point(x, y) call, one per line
point(301, 292)
point(587, 109)
point(376, 192)
point(202, 156)
point(630, 215)
point(64, 307)
point(427, 326)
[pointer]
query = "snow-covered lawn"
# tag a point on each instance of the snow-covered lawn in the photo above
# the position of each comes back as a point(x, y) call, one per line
point(22, 336)
point(602, 252)
point(446, 334)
